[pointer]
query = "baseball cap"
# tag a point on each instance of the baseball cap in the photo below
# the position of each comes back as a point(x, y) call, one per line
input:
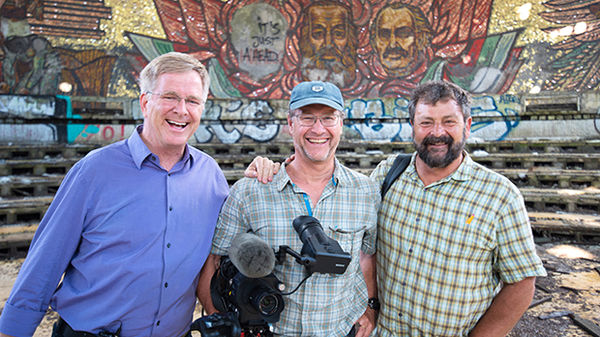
point(316, 92)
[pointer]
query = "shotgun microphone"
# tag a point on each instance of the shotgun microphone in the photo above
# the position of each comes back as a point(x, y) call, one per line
point(251, 255)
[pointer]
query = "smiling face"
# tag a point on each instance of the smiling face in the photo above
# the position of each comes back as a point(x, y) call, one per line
point(168, 126)
point(440, 132)
point(315, 143)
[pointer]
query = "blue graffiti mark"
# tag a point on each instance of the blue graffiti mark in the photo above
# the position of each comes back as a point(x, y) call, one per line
point(509, 99)
point(370, 109)
point(204, 134)
point(73, 130)
point(492, 121)
point(495, 122)
point(255, 110)
point(401, 107)
point(262, 132)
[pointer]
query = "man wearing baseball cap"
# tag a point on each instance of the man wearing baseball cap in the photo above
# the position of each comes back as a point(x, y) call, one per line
point(315, 184)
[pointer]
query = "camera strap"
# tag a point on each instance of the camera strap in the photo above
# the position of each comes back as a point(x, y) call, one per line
point(400, 164)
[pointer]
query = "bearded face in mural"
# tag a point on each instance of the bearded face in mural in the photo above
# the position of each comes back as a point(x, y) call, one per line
point(328, 44)
point(400, 34)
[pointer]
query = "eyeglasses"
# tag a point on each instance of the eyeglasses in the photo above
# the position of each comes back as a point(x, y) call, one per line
point(310, 120)
point(170, 99)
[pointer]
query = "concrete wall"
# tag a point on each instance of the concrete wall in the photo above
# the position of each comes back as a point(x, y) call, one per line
point(51, 119)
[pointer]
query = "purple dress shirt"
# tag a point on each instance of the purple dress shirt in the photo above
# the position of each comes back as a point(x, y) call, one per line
point(129, 237)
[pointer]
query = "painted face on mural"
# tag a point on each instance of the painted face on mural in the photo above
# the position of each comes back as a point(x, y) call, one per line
point(397, 40)
point(327, 42)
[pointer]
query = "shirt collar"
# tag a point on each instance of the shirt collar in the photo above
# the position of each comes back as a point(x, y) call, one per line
point(465, 170)
point(340, 177)
point(139, 151)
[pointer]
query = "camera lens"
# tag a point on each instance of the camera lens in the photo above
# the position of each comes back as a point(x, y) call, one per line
point(266, 301)
point(268, 304)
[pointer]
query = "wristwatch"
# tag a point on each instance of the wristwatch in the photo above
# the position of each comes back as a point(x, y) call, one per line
point(373, 303)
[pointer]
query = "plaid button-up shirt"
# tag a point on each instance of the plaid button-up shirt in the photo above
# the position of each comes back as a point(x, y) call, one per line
point(443, 249)
point(327, 304)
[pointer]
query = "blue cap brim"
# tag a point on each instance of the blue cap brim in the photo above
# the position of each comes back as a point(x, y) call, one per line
point(316, 100)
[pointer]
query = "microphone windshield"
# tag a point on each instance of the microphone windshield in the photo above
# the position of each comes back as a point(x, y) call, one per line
point(251, 255)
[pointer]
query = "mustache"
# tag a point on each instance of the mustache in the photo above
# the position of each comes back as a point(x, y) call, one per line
point(429, 140)
point(328, 51)
point(396, 51)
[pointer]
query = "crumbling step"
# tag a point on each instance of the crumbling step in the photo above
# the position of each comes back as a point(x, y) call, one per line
point(386, 147)
point(585, 201)
point(540, 178)
point(579, 226)
point(36, 166)
point(552, 178)
point(543, 178)
point(564, 161)
point(40, 151)
point(28, 186)
point(23, 210)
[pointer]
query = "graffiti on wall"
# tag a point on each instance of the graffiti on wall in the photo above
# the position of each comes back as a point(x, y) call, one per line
point(494, 118)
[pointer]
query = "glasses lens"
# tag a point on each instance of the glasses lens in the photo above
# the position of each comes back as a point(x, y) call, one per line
point(310, 120)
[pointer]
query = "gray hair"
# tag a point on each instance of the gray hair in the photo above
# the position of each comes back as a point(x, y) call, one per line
point(173, 62)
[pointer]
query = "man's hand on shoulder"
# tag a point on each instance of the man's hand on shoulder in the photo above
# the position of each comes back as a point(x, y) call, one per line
point(263, 168)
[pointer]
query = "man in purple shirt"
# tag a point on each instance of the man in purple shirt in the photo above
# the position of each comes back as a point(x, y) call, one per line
point(131, 225)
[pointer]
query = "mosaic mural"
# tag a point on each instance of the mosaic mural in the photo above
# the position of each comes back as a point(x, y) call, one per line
point(256, 51)
point(261, 49)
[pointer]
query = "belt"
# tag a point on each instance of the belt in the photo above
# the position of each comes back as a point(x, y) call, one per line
point(62, 329)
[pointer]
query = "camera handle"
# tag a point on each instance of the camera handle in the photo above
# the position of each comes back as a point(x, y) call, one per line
point(304, 260)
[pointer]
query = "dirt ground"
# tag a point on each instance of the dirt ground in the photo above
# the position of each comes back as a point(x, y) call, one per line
point(572, 284)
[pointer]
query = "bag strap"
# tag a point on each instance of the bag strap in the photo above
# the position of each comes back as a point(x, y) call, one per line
point(400, 164)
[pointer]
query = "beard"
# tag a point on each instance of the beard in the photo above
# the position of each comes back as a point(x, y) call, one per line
point(329, 64)
point(431, 159)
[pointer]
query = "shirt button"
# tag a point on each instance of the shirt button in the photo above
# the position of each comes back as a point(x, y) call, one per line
point(170, 208)
point(169, 174)
point(410, 250)
point(157, 323)
point(153, 158)
point(399, 314)
point(168, 245)
point(166, 284)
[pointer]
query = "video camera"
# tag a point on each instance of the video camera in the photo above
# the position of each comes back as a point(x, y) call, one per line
point(249, 301)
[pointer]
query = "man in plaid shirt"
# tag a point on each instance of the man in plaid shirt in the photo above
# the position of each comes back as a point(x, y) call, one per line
point(455, 253)
point(316, 184)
